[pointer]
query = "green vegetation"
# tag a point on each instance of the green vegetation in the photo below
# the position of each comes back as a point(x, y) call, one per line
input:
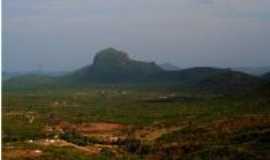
point(199, 117)
point(29, 81)
point(114, 68)
point(120, 109)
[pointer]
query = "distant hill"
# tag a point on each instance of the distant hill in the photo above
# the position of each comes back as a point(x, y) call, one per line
point(229, 82)
point(258, 71)
point(114, 66)
point(187, 76)
point(7, 75)
point(28, 81)
point(169, 67)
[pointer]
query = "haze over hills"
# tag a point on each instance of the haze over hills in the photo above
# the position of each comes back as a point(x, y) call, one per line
point(30, 81)
point(114, 66)
point(169, 67)
point(111, 66)
point(6, 75)
point(229, 81)
point(258, 71)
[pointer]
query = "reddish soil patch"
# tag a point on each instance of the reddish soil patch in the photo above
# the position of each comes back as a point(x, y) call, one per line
point(94, 149)
point(240, 122)
point(90, 128)
point(99, 127)
point(21, 153)
point(153, 133)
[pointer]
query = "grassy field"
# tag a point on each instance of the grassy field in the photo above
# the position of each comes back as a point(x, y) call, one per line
point(91, 123)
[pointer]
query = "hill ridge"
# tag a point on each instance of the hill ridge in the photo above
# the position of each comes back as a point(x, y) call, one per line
point(114, 67)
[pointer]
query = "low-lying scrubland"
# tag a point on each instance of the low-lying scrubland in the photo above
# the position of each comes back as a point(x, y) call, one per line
point(118, 123)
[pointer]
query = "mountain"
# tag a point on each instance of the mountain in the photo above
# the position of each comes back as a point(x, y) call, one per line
point(169, 67)
point(114, 66)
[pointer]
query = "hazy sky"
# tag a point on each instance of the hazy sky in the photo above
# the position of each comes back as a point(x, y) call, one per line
point(65, 34)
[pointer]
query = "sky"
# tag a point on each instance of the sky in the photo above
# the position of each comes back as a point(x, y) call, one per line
point(65, 34)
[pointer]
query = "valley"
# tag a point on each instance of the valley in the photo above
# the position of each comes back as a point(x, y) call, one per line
point(118, 108)
point(72, 123)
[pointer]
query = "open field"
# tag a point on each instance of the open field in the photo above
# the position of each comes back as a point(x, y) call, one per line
point(91, 123)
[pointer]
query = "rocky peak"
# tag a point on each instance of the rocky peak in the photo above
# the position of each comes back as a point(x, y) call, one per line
point(111, 56)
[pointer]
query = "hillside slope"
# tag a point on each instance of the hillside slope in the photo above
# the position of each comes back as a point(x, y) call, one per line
point(113, 66)
point(229, 82)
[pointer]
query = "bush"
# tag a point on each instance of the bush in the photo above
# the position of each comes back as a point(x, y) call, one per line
point(78, 139)
point(136, 146)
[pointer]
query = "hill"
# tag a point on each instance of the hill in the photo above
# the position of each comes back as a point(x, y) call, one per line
point(114, 66)
point(28, 81)
point(169, 67)
point(187, 76)
point(257, 71)
point(230, 82)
